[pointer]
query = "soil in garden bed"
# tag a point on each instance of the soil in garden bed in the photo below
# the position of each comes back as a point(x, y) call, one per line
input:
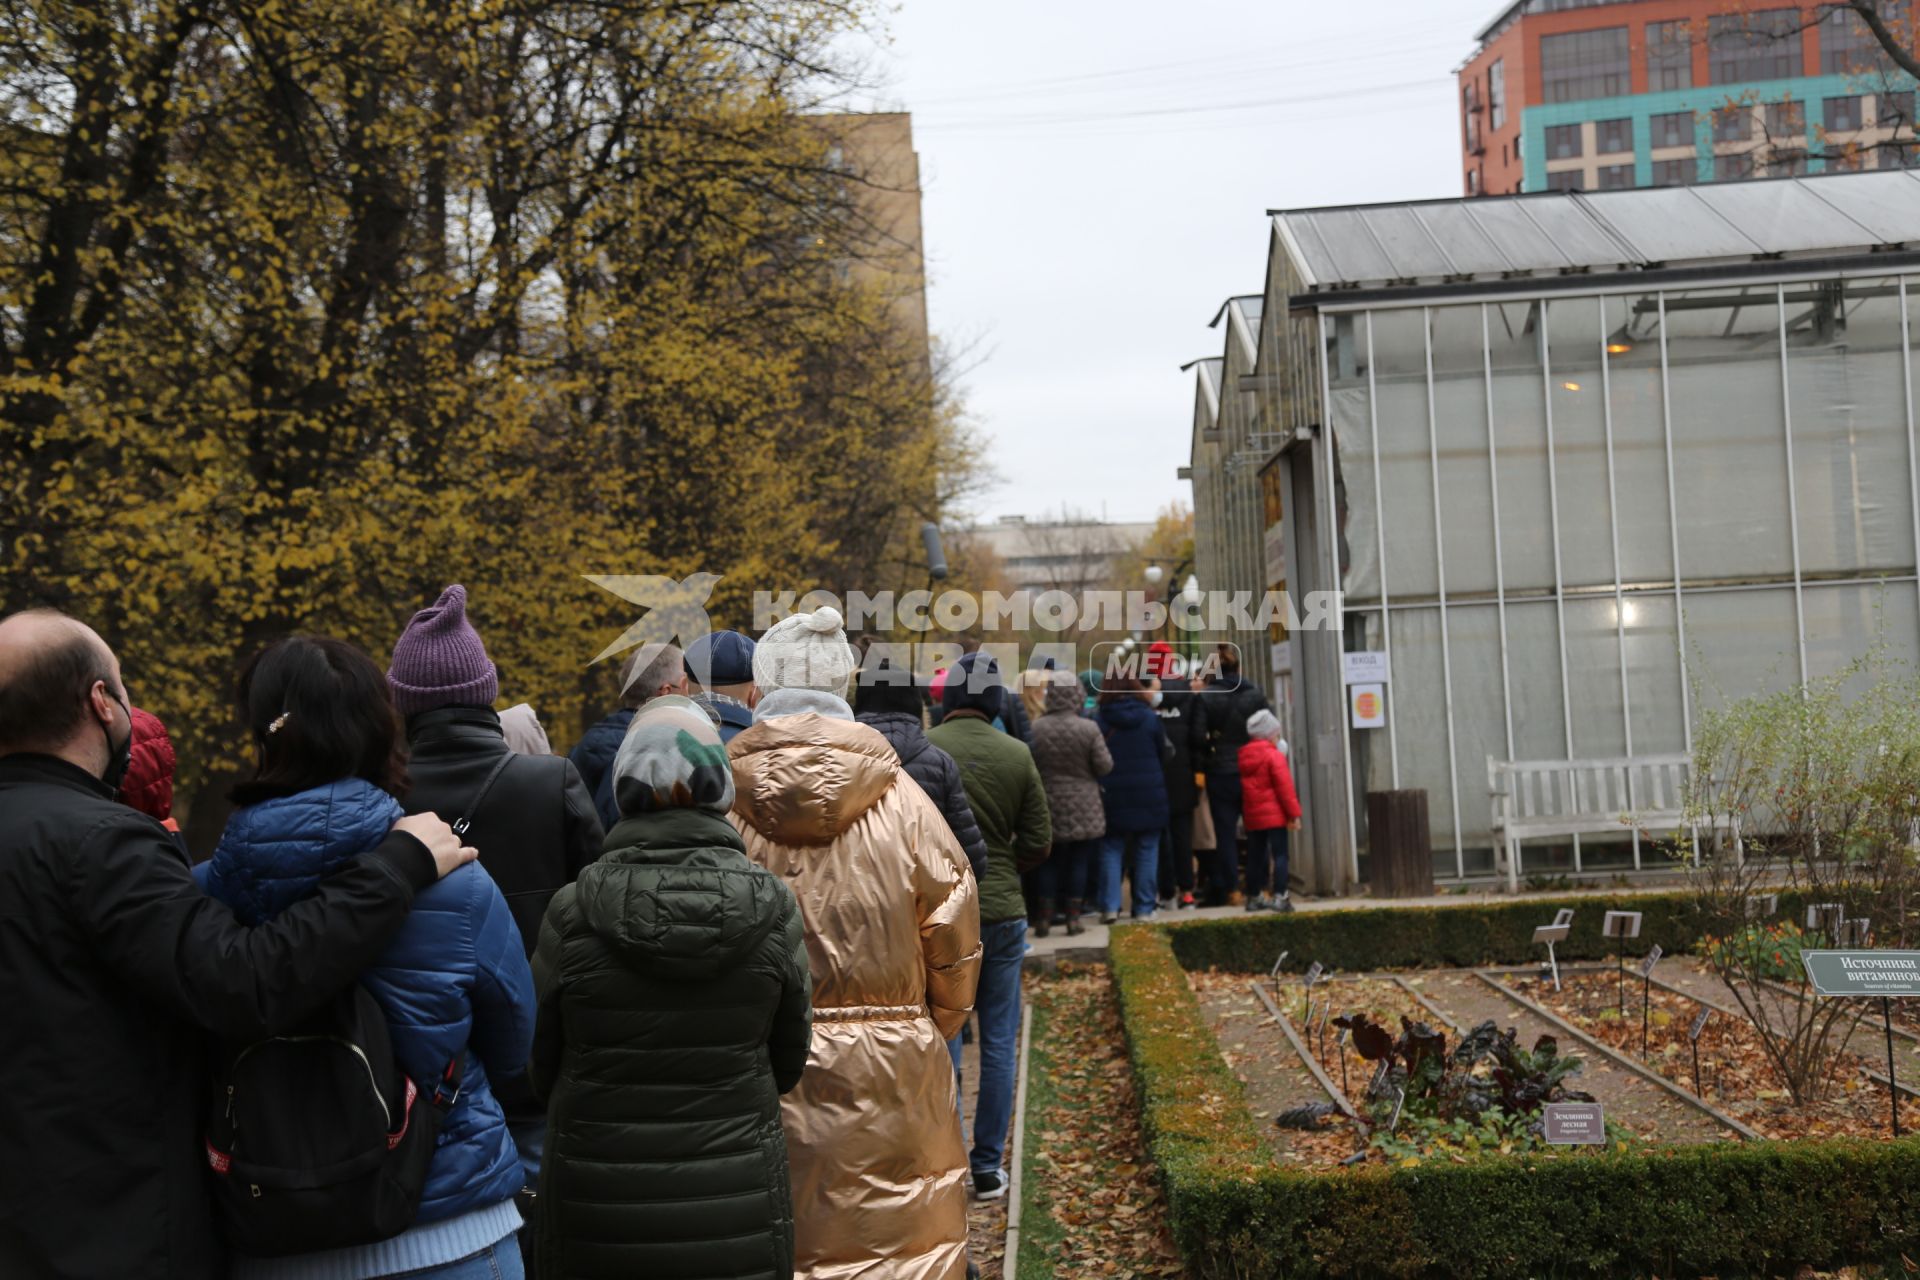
point(1736, 1074)
point(1639, 1105)
point(1697, 978)
point(1275, 1078)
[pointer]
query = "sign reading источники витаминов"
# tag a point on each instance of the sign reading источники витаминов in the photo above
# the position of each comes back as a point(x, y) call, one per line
point(1863, 973)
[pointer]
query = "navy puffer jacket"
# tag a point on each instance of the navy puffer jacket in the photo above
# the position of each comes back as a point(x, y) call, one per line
point(456, 977)
point(592, 757)
point(1136, 790)
point(938, 776)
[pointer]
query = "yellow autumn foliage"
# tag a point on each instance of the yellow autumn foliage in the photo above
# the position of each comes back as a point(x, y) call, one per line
point(307, 310)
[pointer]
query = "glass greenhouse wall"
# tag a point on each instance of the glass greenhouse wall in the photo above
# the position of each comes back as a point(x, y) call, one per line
point(1603, 512)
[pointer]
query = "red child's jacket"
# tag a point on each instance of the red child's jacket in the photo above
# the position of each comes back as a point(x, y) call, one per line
point(1266, 787)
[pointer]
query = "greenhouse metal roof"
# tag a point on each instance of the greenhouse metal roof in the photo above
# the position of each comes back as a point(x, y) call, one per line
point(1551, 234)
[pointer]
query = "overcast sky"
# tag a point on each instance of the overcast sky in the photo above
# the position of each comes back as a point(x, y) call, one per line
point(1096, 175)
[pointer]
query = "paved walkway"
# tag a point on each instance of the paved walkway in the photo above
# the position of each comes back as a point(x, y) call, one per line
point(1092, 944)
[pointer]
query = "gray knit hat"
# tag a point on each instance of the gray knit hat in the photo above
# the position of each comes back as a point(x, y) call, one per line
point(672, 758)
point(806, 651)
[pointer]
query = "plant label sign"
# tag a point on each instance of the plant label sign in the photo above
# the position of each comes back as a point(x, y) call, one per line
point(1863, 973)
point(1275, 971)
point(1699, 1024)
point(1572, 1123)
point(1550, 933)
point(1563, 918)
point(1653, 958)
point(1620, 924)
point(1313, 973)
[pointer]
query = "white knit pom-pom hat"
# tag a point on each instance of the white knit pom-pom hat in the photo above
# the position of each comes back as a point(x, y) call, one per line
point(805, 651)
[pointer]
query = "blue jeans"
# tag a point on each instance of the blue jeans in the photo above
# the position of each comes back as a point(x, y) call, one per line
point(1139, 853)
point(501, 1262)
point(1267, 852)
point(997, 1007)
point(1064, 876)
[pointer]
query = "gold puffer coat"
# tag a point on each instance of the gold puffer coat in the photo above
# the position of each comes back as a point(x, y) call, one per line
point(893, 936)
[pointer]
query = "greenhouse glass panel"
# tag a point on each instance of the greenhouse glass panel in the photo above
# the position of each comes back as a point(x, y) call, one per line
point(1520, 447)
point(1655, 691)
point(1846, 389)
point(1729, 434)
point(1466, 481)
point(1847, 621)
point(1533, 670)
point(1640, 482)
point(1406, 453)
point(1741, 643)
point(1418, 696)
point(1579, 442)
point(1593, 678)
point(1479, 712)
point(1351, 414)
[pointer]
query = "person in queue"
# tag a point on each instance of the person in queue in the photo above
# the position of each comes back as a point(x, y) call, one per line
point(116, 967)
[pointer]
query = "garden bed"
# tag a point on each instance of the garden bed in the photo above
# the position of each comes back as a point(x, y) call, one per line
point(1241, 1205)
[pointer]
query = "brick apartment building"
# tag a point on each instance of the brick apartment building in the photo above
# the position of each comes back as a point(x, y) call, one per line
point(1586, 95)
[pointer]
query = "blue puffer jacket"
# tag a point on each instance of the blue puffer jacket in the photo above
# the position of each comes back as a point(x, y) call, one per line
point(592, 757)
point(1136, 790)
point(456, 976)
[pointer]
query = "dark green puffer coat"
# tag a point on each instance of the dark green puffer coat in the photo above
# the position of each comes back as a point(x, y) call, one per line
point(674, 1012)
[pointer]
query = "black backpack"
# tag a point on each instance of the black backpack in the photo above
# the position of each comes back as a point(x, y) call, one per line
point(317, 1139)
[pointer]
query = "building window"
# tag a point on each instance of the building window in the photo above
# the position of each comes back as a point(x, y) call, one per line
point(1616, 177)
point(1497, 94)
point(1784, 163)
point(1470, 114)
point(1673, 129)
point(1564, 180)
point(1893, 110)
point(1585, 64)
point(1786, 120)
point(1842, 115)
point(1733, 124)
point(1614, 136)
point(1676, 173)
point(1754, 46)
point(1669, 57)
point(1847, 47)
point(1844, 159)
point(1473, 182)
point(1894, 155)
point(1563, 141)
point(1733, 168)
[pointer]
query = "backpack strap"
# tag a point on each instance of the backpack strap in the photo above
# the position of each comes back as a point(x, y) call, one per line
point(466, 820)
point(447, 1092)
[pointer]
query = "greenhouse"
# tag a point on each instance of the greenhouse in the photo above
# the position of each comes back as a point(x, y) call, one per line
point(1596, 461)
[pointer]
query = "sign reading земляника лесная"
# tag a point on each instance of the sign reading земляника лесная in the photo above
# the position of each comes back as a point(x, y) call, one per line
point(1863, 973)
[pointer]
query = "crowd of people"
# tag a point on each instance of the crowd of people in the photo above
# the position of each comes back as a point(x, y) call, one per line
point(689, 1001)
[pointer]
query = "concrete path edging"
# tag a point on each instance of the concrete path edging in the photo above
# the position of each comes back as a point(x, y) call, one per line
point(1010, 1258)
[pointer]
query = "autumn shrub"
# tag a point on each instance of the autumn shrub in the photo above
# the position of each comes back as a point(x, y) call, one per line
point(1717, 1208)
point(1769, 951)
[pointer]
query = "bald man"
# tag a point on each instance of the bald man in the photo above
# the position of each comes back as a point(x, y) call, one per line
point(113, 966)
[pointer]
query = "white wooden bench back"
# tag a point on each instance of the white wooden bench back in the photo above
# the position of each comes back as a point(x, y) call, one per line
point(1575, 797)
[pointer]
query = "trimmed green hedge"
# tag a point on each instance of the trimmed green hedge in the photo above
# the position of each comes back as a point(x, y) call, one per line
point(1727, 1209)
point(1473, 933)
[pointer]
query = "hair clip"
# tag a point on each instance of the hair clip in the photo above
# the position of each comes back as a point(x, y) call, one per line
point(278, 720)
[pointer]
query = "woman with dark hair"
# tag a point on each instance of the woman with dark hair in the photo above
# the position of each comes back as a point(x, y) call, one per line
point(454, 982)
point(1135, 793)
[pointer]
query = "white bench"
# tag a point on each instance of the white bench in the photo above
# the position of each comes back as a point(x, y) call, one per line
point(1623, 795)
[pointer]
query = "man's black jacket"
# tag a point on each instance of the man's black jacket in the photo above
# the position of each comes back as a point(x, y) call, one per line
point(112, 965)
point(535, 829)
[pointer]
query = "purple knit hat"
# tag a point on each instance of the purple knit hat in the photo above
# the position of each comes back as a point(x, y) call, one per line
point(438, 661)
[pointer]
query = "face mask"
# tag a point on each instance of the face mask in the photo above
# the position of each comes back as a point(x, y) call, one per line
point(119, 758)
point(1153, 699)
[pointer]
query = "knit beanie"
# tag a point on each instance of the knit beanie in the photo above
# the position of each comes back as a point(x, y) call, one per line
point(974, 685)
point(438, 661)
point(672, 758)
point(805, 651)
point(1263, 724)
